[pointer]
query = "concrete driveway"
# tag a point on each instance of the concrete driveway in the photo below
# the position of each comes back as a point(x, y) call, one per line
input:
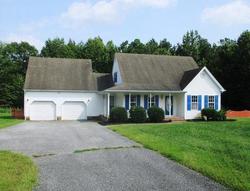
point(107, 161)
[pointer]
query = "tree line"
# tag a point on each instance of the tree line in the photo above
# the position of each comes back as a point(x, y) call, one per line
point(228, 60)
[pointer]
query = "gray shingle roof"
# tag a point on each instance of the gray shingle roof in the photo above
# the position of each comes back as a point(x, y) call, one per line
point(188, 77)
point(152, 72)
point(62, 74)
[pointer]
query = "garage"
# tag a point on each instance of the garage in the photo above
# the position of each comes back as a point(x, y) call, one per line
point(43, 110)
point(74, 110)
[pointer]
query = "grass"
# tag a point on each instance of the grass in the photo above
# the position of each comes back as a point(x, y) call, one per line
point(220, 150)
point(17, 172)
point(6, 120)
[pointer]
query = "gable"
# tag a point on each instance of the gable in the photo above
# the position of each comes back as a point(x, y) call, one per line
point(205, 83)
point(116, 70)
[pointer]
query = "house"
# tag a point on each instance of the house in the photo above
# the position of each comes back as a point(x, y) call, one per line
point(68, 89)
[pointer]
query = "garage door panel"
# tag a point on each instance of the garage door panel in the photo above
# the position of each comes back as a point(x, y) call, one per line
point(43, 110)
point(73, 110)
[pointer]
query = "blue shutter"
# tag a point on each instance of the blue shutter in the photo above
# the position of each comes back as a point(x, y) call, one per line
point(127, 102)
point(115, 77)
point(138, 101)
point(189, 102)
point(157, 100)
point(206, 102)
point(199, 102)
point(145, 102)
point(172, 105)
point(216, 102)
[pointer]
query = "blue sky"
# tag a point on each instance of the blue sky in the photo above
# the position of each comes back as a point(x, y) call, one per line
point(120, 20)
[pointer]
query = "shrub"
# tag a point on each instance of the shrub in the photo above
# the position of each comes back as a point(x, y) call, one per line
point(213, 115)
point(137, 115)
point(209, 114)
point(221, 115)
point(118, 115)
point(155, 114)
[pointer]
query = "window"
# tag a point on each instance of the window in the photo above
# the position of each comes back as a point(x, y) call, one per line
point(211, 102)
point(194, 103)
point(115, 77)
point(152, 102)
point(133, 101)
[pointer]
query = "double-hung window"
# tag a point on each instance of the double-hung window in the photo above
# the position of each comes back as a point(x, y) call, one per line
point(211, 102)
point(151, 102)
point(194, 102)
point(133, 101)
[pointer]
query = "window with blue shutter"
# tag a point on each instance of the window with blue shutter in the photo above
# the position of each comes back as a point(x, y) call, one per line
point(189, 102)
point(206, 102)
point(115, 77)
point(216, 102)
point(199, 102)
point(127, 102)
point(138, 100)
point(145, 102)
point(157, 100)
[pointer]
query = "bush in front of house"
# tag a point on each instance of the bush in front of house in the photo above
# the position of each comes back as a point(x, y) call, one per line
point(213, 115)
point(118, 115)
point(221, 115)
point(155, 114)
point(137, 115)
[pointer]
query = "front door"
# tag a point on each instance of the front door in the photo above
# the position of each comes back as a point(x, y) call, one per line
point(169, 105)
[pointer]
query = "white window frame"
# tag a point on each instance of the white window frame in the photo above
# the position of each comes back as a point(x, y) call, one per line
point(151, 102)
point(133, 101)
point(211, 102)
point(194, 102)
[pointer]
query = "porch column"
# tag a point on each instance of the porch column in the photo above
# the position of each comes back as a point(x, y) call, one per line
point(108, 104)
point(170, 104)
point(129, 100)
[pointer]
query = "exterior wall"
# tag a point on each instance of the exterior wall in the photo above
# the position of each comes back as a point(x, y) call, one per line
point(202, 85)
point(117, 69)
point(94, 101)
point(178, 101)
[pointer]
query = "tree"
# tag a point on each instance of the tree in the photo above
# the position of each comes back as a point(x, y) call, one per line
point(19, 53)
point(242, 70)
point(13, 64)
point(57, 48)
point(111, 49)
point(95, 50)
point(151, 47)
point(196, 46)
point(136, 47)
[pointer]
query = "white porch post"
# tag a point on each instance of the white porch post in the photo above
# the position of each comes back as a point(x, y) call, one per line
point(129, 100)
point(170, 106)
point(108, 104)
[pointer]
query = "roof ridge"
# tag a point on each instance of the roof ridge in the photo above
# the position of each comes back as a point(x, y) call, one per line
point(157, 55)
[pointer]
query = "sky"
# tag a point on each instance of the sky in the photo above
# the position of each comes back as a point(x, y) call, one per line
point(120, 20)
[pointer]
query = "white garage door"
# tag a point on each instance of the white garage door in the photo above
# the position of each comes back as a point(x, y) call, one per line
point(74, 110)
point(43, 110)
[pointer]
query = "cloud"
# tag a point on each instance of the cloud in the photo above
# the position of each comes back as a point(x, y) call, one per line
point(24, 38)
point(106, 11)
point(236, 12)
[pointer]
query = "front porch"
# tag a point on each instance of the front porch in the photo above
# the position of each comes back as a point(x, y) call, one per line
point(172, 103)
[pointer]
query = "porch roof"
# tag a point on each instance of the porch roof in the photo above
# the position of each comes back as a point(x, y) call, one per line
point(140, 88)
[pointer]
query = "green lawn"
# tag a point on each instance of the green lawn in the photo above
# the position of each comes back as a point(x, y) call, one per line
point(6, 120)
point(220, 150)
point(17, 172)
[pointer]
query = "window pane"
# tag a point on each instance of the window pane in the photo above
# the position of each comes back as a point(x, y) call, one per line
point(133, 100)
point(194, 104)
